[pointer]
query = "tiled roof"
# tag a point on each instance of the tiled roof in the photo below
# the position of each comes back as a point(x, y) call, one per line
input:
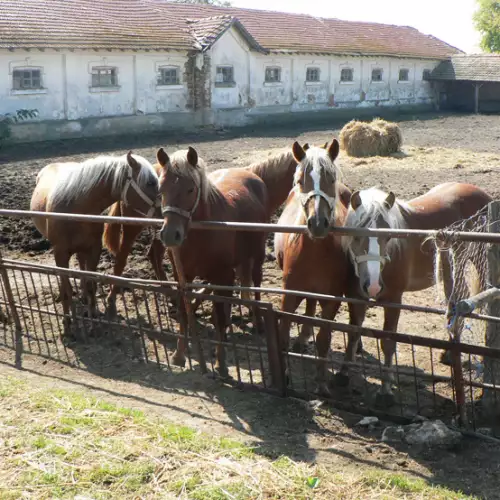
point(158, 24)
point(479, 68)
point(207, 30)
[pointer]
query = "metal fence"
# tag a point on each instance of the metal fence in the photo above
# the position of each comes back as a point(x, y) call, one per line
point(145, 329)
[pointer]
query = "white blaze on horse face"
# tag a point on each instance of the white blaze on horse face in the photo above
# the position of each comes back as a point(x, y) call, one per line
point(374, 268)
point(316, 178)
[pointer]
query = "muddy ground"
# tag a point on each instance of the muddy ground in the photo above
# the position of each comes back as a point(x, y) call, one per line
point(436, 149)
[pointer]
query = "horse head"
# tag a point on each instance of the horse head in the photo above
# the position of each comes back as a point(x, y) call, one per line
point(315, 184)
point(376, 210)
point(182, 180)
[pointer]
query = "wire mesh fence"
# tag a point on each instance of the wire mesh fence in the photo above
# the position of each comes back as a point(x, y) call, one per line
point(147, 328)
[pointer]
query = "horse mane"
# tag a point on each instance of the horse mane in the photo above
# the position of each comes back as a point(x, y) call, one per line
point(272, 167)
point(372, 202)
point(181, 166)
point(78, 180)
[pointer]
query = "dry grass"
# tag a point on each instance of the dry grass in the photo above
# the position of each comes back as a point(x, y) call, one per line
point(377, 138)
point(59, 444)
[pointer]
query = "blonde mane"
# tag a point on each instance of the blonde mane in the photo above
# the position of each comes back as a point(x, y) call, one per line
point(77, 180)
point(181, 166)
point(372, 205)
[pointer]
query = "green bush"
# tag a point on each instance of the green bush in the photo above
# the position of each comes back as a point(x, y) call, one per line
point(9, 119)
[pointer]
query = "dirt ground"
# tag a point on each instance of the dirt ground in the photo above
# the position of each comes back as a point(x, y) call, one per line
point(437, 149)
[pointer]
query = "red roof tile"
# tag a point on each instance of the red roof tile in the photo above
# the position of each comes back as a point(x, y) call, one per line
point(157, 24)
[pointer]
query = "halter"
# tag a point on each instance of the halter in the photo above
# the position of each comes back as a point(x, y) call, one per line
point(130, 182)
point(368, 257)
point(305, 197)
point(187, 214)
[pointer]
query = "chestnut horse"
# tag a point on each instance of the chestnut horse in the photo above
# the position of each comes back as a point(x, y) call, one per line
point(89, 188)
point(386, 268)
point(314, 262)
point(276, 172)
point(238, 194)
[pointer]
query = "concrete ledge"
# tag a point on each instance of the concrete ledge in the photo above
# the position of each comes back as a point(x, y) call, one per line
point(190, 121)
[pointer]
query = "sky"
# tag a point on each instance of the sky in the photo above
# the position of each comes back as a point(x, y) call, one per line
point(449, 20)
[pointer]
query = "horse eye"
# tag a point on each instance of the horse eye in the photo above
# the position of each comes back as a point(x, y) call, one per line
point(151, 182)
point(190, 190)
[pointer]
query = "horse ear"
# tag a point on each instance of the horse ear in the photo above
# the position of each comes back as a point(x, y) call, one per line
point(333, 150)
point(298, 152)
point(306, 146)
point(390, 200)
point(192, 157)
point(355, 200)
point(134, 165)
point(162, 157)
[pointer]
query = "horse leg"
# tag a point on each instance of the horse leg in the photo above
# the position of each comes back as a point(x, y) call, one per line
point(93, 257)
point(244, 273)
point(306, 331)
point(129, 235)
point(179, 356)
point(289, 303)
point(357, 314)
point(385, 396)
point(257, 282)
point(62, 258)
point(323, 342)
point(222, 316)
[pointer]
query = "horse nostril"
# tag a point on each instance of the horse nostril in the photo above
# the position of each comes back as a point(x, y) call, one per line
point(177, 236)
point(309, 223)
point(326, 223)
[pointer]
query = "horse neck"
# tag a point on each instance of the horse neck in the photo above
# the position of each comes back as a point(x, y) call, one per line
point(278, 179)
point(209, 201)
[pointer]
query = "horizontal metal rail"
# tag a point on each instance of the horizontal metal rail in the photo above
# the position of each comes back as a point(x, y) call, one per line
point(171, 288)
point(470, 236)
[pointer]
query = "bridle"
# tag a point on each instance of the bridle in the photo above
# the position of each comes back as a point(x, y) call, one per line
point(131, 183)
point(367, 257)
point(187, 214)
point(305, 197)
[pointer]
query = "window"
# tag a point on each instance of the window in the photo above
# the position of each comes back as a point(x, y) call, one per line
point(224, 74)
point(426, 74)
point(312, 75)
point(273, 74)
point(377, 75)
point(26, 79)
point(104, 77)
point(347, 75)
point(168, 76)
point(404, 75)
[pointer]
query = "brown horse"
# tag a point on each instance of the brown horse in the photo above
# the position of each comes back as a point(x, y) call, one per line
point(276, 172)
point(89, 188)
point(238, 194)
point(119, 240)
point(314, 262)
point(386, 268)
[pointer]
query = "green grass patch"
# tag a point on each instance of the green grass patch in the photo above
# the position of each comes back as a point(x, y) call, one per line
point(59, 444)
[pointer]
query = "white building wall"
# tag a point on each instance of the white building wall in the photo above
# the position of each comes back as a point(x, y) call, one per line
point(49, 100)
point(231, 50)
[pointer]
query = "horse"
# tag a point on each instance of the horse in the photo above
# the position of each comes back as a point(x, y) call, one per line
point(314, 262)
point(387, 267)
point(238, 194)
point(89, 188)
point(119, 239)
point(277, 173)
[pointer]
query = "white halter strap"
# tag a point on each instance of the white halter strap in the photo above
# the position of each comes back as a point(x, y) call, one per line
point(368, 257)
point(305, 197)
point(187, 214)
point(130, 182)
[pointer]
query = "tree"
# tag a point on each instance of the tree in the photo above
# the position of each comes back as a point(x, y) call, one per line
point(487, 21)
point(217, 3)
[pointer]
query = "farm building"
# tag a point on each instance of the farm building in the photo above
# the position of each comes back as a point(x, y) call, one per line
point(469, 83)
point(127, 65)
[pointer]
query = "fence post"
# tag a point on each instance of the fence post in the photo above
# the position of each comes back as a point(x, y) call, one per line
point(13, 311)
point(492, 366)
point(274, 353)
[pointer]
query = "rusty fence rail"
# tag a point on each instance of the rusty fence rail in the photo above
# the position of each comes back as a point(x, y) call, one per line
point(147, 330)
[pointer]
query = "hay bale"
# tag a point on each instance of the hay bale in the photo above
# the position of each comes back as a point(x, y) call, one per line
point(377, 138)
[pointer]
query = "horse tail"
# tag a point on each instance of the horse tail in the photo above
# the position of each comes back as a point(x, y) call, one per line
point(112, 232)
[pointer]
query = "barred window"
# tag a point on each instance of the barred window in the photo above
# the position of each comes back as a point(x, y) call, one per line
point(404, 75)
point(224, 74)
point(377, 75)
point(312, 75)
point(347, 75)
point(104, 77)
point(26, 79)
point(168, 75)
point(273, 74)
